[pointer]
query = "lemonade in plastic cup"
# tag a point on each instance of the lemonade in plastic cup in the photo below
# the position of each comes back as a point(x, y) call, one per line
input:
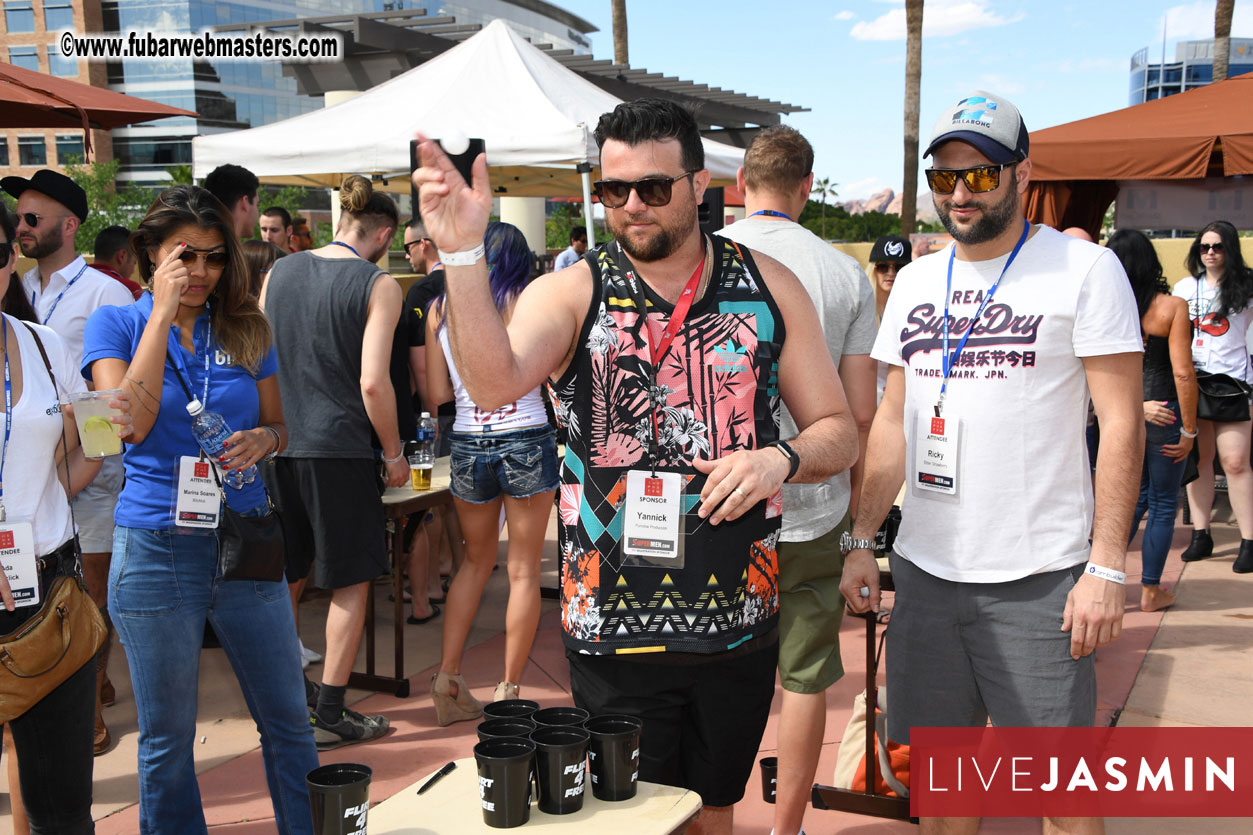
point(96, 432)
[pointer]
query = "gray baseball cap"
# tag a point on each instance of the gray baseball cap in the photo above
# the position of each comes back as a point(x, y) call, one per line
point(987, 121)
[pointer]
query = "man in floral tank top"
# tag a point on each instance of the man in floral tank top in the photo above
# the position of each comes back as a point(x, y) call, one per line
point(670, 499)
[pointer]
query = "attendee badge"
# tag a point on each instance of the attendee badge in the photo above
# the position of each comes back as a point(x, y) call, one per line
point(17, 556)
point(199, 502)
point(936, 453)
point(652, 526)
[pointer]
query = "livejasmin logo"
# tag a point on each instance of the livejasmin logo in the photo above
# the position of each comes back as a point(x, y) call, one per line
point(1081, 772)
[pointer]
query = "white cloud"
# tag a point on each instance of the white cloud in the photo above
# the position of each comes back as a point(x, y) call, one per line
point(1195, 21)
point(845, 15)
point(940, 18)
point(1086, 65)
point(993, 83)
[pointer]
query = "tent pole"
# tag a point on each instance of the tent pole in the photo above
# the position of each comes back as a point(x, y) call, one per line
point(585, 173)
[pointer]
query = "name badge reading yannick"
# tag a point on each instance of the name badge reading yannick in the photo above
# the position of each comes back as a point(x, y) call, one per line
point(198, 500)
point(936, 453)
point(653, 510)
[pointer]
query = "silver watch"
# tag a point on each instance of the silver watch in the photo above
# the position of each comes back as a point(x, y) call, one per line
point(847, 543)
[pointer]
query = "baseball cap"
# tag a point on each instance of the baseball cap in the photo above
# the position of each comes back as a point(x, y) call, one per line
point(987, 121)
point(57, 186)
point(891, 248)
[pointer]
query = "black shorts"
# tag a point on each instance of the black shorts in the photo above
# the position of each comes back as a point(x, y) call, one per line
point(703, 721)
point(332, 520)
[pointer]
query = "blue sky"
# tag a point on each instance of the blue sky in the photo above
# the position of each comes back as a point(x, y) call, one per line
point(1057, 60)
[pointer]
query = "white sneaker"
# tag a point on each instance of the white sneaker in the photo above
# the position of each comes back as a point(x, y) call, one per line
point(308, 656)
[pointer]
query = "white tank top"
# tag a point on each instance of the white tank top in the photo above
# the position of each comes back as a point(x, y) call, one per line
point(527, 410)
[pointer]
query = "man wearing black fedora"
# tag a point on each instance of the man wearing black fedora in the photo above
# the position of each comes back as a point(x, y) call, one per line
point(64, 291)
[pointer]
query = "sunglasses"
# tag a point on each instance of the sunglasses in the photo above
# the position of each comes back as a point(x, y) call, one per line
point(31, 219)
point(653, 191)
point(979, 179)
point(887, 267)
point(214, 259)
point(415, 243)
point(1217, 249)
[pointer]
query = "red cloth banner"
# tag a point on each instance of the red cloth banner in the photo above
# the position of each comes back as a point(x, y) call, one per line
point(1081, 772)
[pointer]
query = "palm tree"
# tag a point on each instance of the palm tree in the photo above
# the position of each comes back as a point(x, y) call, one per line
point(913, 85)
point(1222, 38)
point(825, 189)
point(619, 32)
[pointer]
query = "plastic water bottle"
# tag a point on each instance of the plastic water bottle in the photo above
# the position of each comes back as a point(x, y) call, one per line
point(422, 456)
point(211, 433)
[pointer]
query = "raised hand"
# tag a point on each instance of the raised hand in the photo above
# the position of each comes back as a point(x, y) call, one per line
point(169, 282)
point(455, 213)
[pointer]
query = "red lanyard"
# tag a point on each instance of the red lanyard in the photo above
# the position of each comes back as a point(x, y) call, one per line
point(657, 352)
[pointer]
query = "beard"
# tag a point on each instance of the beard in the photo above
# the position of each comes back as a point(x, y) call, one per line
point(993, 220)
point(45, 244)
point(663, 243)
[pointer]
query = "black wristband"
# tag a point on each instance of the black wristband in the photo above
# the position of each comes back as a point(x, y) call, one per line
point(793, 460)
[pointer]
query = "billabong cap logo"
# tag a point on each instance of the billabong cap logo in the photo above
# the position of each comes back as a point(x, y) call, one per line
point(975, 109)
point(894, 248)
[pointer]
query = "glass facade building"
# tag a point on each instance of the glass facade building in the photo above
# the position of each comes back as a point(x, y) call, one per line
point(1193, 67)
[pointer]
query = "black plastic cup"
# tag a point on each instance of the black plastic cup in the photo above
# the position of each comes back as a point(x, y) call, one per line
point(769, 777)
point(510, 709)
point(339, 797)
point(561, 717)
point(502, 728)
point(615, 754)
point(561, 766)
point(505, 780)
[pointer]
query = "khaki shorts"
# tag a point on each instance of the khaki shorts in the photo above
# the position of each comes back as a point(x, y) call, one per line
point(810, 610)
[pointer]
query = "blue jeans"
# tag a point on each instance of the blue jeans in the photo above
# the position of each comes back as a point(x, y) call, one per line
point(1159, 495)
point(162, 587)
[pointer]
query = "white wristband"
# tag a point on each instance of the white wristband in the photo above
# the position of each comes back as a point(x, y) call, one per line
point(1186, 433)
point(1105, 573)
point(464, 258)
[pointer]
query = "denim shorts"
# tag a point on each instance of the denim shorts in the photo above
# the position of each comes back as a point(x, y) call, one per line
point(519, 464)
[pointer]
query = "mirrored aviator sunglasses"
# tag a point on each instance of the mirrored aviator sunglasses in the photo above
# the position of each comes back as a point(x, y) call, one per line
point(214, 259)
point(653, 191)
point(979, 179)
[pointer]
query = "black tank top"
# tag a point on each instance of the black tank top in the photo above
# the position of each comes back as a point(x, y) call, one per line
point(1159, 376)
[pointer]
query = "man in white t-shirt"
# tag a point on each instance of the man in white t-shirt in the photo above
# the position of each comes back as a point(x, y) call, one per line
point(993, 551)
point(775, 179)
point(64, 291)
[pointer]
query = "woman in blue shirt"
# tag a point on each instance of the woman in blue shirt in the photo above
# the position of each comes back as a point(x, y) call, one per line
point(197, 323)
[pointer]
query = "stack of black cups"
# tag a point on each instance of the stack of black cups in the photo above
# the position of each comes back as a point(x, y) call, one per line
point(521, 746)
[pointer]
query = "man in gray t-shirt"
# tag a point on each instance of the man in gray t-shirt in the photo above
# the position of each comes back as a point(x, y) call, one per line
point(776, 179)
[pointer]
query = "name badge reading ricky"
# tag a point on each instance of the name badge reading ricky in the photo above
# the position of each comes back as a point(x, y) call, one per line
point(653, 507)
point(198, 500)
point(936, 457)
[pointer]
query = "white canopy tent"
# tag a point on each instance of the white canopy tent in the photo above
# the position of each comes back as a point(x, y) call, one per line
point(535, 116)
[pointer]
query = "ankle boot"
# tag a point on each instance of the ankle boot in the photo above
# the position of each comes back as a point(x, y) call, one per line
point(450, 708)
point(1202, 546)
point(1244, 561)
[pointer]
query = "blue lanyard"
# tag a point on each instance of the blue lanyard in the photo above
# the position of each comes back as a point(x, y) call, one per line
point(64, 290)
point(208, 349)
point(948, 363)
point(347, 247)
point(8, 407)
point(771, 213)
